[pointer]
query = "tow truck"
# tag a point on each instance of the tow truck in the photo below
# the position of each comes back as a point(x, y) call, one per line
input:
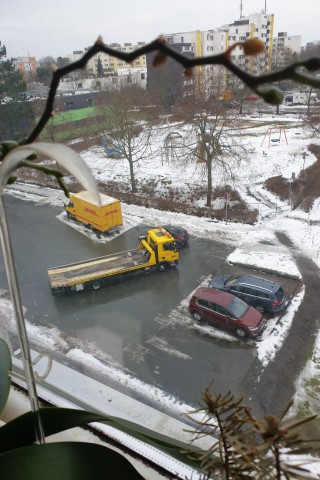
point(156, 251)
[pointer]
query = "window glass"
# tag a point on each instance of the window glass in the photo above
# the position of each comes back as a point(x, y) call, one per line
point(202, 303)
point(263, 294)
point(279, 294)
point(237, 307)
point(249, 291)
point(236, 289)
point(221, 310)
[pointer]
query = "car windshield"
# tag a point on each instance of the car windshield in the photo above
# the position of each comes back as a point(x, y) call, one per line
point(237, 307)
point(232, 280)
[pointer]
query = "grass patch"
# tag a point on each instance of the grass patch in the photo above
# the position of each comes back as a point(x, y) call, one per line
point(65, 136)
point(72, 115)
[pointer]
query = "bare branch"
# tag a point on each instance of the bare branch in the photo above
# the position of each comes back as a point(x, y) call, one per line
point(292, 72)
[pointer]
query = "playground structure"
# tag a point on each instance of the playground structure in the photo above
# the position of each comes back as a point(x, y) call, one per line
point(171, 145)
point(279, 131)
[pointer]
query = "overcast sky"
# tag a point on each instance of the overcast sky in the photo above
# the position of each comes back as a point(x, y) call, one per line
point(46, 27)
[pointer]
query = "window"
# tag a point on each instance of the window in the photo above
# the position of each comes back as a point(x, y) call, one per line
point(279, 294)
point(203, 303)
point(237, 288)
point(262, 294)
point(221, 310)
point(168, 246)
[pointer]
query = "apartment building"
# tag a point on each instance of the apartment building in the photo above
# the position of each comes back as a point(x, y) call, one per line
point(26, 66)
point(284, 47)
point(111, 65)
point(168, 82)
point(310, 47)
point(211, 42)
point(217, 40)
point(74, 56)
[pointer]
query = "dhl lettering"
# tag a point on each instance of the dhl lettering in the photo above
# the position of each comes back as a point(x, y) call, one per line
point(112, 212)
point(93, 212)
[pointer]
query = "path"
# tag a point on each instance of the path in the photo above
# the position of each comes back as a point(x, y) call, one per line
point(269, 391)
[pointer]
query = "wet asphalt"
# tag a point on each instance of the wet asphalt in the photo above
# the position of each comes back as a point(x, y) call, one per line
point(272, 388)
point(232, 365)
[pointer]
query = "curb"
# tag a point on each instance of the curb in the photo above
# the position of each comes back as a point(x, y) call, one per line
point(266, 270)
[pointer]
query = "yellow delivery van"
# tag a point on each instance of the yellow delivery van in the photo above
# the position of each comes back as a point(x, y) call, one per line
point(83, 208)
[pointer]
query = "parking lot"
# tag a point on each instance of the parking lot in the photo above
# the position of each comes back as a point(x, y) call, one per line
point(140, 331)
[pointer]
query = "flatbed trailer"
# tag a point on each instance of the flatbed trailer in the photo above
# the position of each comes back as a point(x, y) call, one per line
point(153, 252)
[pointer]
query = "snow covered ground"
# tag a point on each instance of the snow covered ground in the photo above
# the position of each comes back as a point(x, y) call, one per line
point(255, 246)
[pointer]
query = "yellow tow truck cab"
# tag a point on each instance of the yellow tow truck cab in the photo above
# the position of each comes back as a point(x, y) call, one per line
point(156, 251)
point(84, 208)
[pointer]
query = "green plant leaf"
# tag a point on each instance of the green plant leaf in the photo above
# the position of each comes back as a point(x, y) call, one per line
point(62, 154)
point(19, 432)
point(65, 461)
point(5, 367)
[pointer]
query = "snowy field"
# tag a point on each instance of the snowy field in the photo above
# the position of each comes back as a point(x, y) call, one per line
point(255, 246)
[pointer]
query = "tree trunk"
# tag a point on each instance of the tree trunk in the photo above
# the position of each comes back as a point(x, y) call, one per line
point(209, 180)
point(132, 177)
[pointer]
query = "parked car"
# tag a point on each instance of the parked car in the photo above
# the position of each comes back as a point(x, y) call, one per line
point(180, 235)
point(264, 295)
point(252, 96)
point(226, 311)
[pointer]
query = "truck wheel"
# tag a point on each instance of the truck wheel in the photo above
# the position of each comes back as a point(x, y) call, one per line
point(96, 285)
point(69, 215)
point(162, 267)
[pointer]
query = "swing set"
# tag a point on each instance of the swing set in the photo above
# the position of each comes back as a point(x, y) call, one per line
point(277, 139)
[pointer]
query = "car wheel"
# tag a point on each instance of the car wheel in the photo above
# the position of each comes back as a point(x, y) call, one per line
point(240, 332)
point(260, 308)
point(69, 215)
point(197, 316)
point(162, 267)
point(96, 285)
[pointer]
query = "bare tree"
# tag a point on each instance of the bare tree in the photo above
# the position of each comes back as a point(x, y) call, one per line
point(127, 129)
point(212, 141)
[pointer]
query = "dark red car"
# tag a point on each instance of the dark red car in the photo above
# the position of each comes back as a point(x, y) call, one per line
point(224, 310)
